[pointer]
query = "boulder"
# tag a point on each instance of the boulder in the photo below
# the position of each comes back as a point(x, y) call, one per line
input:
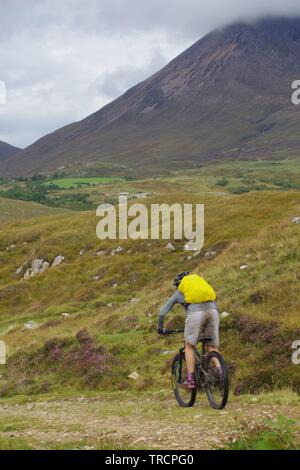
point(244, 266)
point(22, 269)
point(170, 247)
point(45, 266)
point(190, 246)
point(57, 261)
point(19, 271)
point(28, 274)
point(225, 315)
point(31, 325)
point(210, 254)
point(134, 376)
point(102, 253)
point(117, 251)
point(296, 220)
point(36, 266)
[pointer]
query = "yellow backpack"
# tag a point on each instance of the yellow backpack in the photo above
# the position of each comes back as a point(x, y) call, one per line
point(196, 290)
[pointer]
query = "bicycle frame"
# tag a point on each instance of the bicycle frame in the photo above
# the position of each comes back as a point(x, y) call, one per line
point(199, 369)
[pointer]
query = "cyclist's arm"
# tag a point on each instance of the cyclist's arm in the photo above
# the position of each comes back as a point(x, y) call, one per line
point(177, 298)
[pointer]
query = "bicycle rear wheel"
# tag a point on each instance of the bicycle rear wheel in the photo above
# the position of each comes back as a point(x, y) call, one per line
point(184, 396)
point(217, 384)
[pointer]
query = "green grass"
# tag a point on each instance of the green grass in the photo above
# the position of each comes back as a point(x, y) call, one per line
point(68, 183)
point(276, 435)
point(12, 210)
point(13, 443)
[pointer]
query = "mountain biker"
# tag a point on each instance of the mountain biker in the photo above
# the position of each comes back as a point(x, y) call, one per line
point(198, 299)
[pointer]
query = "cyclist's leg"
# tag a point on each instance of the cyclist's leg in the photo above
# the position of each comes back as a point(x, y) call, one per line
point(190, 358)
point(212, 329)
point(193, 325)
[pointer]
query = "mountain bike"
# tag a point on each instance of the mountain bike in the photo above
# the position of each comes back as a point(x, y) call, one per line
point(211, 375)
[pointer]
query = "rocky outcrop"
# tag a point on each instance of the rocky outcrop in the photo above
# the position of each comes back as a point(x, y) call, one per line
point(37, 266)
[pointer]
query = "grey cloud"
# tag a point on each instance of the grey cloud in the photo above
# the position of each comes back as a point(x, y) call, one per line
point(122, 78)
point(62, 60)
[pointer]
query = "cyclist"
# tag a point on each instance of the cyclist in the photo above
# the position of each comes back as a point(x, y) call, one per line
point(199, 301)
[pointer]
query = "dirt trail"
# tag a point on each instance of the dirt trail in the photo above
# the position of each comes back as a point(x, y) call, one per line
point(145, 422)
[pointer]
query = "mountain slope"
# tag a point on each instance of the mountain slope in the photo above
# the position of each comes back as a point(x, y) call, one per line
point(229, 95)
point(7, 151)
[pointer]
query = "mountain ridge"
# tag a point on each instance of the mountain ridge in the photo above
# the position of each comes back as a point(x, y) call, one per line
point(227, 96)
point(7, 151)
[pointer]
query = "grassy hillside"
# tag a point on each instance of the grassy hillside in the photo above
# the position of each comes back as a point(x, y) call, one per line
point(12, 210)
point(96, 292)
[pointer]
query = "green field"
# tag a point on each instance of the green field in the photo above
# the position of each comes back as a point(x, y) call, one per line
point(68, 183)
point(12, 210)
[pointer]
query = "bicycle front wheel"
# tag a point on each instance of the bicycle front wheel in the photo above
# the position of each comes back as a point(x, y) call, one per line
point(217, 384)
point(184, 396)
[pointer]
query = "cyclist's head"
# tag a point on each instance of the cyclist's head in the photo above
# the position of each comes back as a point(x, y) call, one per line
point(179, 278)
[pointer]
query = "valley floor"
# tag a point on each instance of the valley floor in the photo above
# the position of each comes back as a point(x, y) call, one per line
point(122, 421)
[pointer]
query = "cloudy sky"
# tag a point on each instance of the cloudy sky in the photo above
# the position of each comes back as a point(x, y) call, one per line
point(64, 59)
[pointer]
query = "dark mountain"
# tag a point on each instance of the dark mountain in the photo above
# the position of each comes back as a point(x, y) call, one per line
point(7, 151)
point(227, 96)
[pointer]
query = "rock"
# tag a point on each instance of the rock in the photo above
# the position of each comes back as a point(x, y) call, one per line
point(210, 254)
point(44, 267)
point(190, 246)
point(36, 265)
point(110, 305)
point(31, 325)
point(170, 247)
point(134, 300)
point(81, 252)
point(96, 278)
point(117, 251)
point(225, 315)
point(102, 253)
point(57, 261)
point(244, 266)
point(296, 220)
point(19, 270)
point(165, 353)
point(115, 286)
point(197, 253)
point(134, 376)
point(65, 315)
point(28, 274)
